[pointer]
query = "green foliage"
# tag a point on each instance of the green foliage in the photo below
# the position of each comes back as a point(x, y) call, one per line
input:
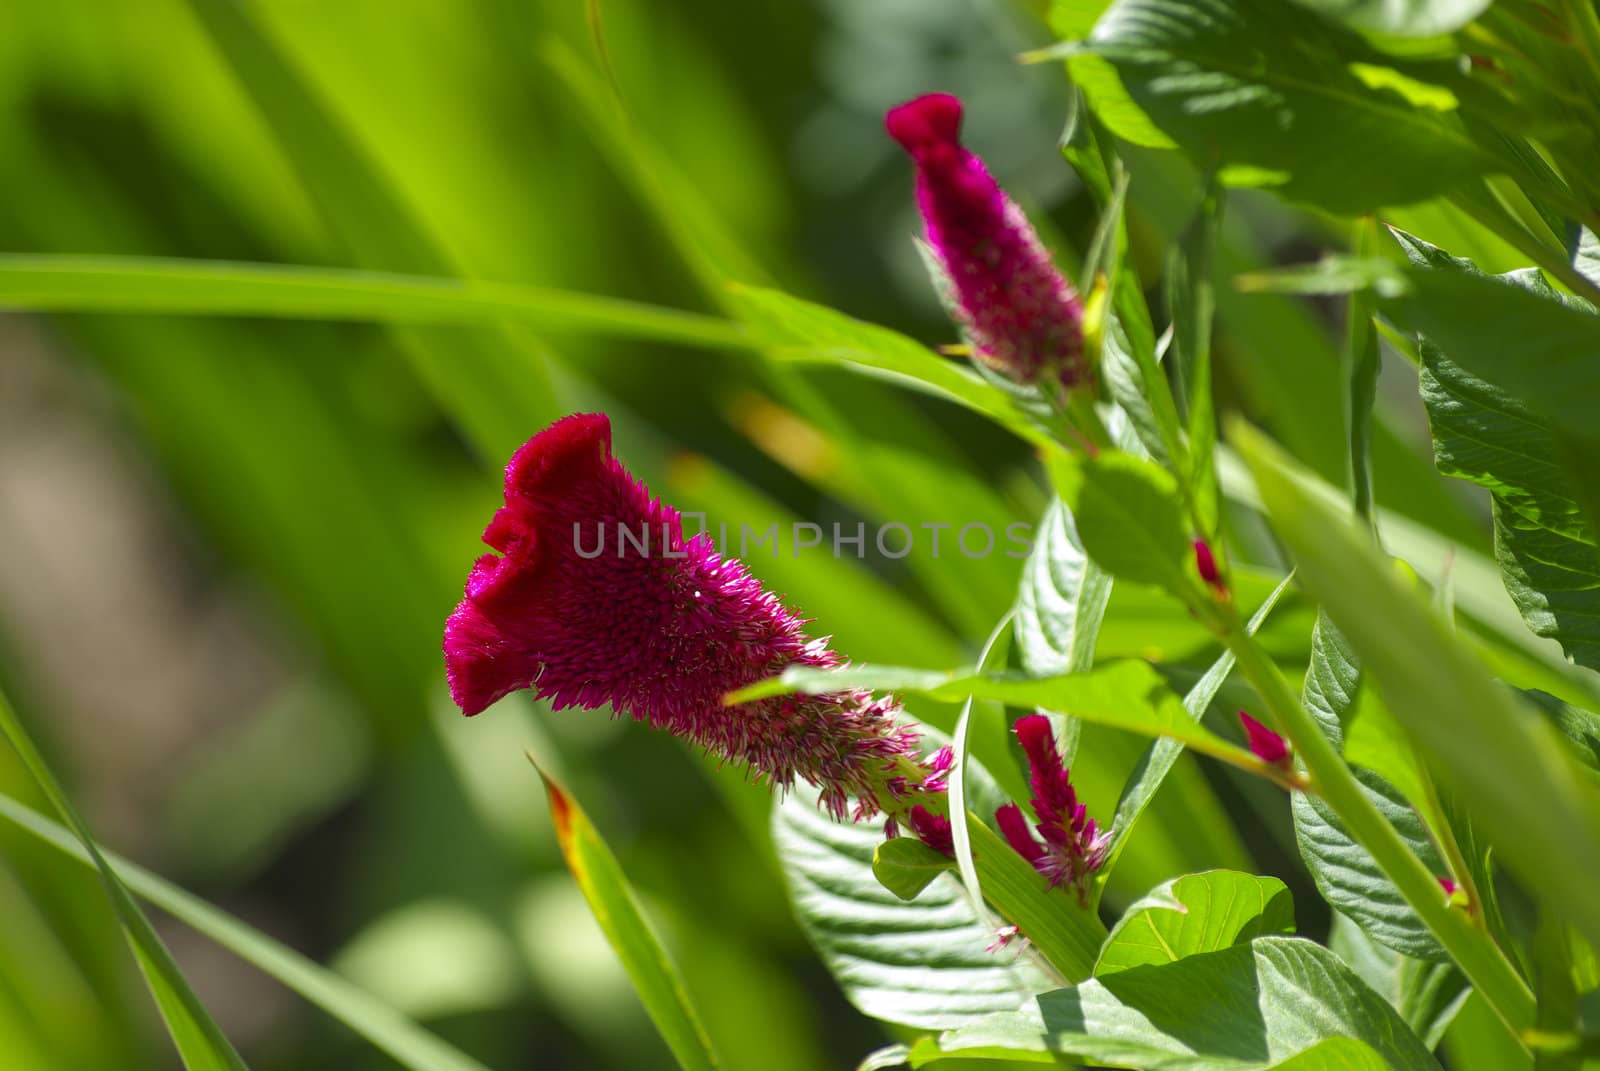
point(1267, 1003)
point(1193, 915)
point(1276, 97)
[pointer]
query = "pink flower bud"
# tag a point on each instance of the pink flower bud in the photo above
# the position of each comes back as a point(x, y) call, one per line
point(1022, 315)
point(1205, 564)
point(1265, 744)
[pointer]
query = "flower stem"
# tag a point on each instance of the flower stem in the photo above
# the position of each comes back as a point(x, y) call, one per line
point(1483, 962)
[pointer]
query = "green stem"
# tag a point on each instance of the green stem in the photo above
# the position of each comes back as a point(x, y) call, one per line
point(1484, 964)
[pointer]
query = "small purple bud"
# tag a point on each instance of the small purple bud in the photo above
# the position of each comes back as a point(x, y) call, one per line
point(1205, 564)
point(1265, 744)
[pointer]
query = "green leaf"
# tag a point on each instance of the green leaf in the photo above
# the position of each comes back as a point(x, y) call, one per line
point(409, 1044)
point(1268, 93)
point(199, 1041)
point(167, 286)
point(655, 979)
point(1060, 604)
point(1361, 360)
point(1130, 521)
point(1403, 18)
point(1245, 1008)
point(1544, 544)
point(905, 866)
point(1345, 873)
point(798, 330)
point(1510, 768)
point(920, 963)
point(1427, 995)
point(1195, 914)
point(1513, 332)
point(1128, 695)
point(1163, 754)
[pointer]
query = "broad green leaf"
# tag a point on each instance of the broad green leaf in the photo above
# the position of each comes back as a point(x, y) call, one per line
point(1511, 769)
point(1060, 604)
point(799, 330)
point(1246, 1008)
point(1163, 754)
point(1427, 995)
point(198, 1039)
point(1514, 333)
point(409, 1044)
point(1269, 93)
point(655, 979)
point(1130, 522)
point(1544, 543)
point(1072, 20)
point(1346, 874)
point(167, 286)
point(1403, 18)
point(1195, 914)
point(921, 963)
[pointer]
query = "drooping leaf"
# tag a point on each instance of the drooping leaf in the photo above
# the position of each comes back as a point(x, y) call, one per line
point(920, 963)
point(1195, 914)
point(1544, 543)
point(1346, 874)
point(655, 978)
point(1269, 93)
point(1264, 1004)
point(1509, 767)
point(799, 330)
point(1127, 695)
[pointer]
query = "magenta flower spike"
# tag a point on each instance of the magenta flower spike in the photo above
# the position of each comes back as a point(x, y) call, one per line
point(1265, 744)
point(1073, 848)
point(596, 598)
point(1022, 315)
point(932, 830)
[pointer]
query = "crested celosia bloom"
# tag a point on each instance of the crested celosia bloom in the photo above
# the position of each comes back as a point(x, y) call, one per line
point(596, 598)
point(932, 829)
point(1073, 848)
point(1023, 317)
point(1265, 744)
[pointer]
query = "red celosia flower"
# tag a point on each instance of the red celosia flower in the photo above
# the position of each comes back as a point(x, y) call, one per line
point(1073, 847)
point(1265, 744)
point(932, 830)
point(1022, 315)
point(597, 598)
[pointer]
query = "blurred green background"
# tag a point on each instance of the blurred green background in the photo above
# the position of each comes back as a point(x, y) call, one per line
point(228, 546)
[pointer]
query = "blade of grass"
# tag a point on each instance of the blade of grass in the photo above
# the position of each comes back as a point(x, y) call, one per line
point(67, 283)
point(606, 888)
point(200, 1042)
point(409, 1044)
point(507, 391)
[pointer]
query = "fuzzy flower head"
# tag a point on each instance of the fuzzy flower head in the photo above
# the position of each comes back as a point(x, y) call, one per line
point(1022, 315)
point(596, 598)
point(1073, 847)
